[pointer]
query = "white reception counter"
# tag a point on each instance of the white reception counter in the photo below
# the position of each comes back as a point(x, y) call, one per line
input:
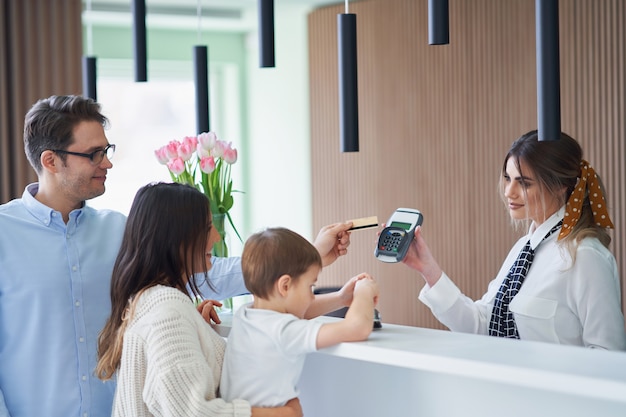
point(409, 371)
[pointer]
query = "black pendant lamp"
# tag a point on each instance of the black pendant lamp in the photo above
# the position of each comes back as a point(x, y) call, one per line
point(438, 22)
point(266, 34)
point(139, 40)
point(548, 75)
point(201, 82)
point(89, 62)
point(89, 77)
point(201, 79)
point(348, 85)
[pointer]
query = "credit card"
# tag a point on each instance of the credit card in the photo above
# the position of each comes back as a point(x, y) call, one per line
point(364, 223)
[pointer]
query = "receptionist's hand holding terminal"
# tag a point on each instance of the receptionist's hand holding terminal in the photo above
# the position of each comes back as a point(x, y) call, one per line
point(396, 237)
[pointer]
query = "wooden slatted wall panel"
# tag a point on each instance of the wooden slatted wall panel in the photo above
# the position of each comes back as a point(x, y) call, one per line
point(436, 121)
point(41, 56)
point(595, 97)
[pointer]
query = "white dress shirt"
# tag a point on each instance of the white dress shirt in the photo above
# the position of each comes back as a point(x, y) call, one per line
point(577, 304)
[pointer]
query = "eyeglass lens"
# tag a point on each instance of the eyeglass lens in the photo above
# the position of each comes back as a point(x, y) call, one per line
point(98, 156)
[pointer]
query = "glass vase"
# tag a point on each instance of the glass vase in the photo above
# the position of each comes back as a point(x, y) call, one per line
point(220, 249)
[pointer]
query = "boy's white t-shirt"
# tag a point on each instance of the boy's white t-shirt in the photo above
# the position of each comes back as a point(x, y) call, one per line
point(265, 353)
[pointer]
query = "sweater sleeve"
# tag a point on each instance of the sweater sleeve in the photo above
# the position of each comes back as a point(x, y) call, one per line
point(186, 390)
point(177, 366)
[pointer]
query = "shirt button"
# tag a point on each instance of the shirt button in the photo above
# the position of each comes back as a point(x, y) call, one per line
point(74, 268)
point(82, 339)
point(84, 378)
point(77, 303)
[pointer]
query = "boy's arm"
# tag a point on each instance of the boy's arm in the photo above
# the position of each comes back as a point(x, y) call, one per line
point(291, 409)
point(325, 303)
point(359, 319)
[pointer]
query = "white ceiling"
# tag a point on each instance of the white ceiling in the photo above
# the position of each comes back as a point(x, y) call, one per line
point(221, 14)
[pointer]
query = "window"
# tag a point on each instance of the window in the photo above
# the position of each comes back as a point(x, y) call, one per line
point(146, 116)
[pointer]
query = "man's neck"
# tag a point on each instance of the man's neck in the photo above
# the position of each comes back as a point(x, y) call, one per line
point(56, 201)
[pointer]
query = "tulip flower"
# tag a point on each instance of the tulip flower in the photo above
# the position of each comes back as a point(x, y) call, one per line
point(207, 140)
point(219, 148)
point(204, 162)
point(207, 164)
point(176, 165)
point(186, 150)
point(172, 149)
point(161, 155)
point(230, 155)
point(202, 153)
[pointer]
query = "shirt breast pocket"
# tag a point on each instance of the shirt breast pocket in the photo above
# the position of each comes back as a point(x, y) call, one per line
point(535, 318)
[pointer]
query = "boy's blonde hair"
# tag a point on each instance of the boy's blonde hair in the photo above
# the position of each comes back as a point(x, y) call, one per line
point(273, 252)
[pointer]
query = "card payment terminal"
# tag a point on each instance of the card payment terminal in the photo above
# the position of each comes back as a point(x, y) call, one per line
point(394, 240)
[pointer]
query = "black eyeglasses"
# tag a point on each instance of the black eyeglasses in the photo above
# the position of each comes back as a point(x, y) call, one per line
point(95, 157)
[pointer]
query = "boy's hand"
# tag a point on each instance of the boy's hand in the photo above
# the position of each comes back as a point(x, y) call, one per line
point(367, 285)
point(347, 291)
point(207, 310)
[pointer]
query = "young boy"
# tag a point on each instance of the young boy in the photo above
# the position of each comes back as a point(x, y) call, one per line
point(270, 337)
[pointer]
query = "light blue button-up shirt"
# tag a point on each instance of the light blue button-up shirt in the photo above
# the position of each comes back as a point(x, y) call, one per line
point(54, 300)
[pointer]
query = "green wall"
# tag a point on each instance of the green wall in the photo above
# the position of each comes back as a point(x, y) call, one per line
point(166, 44)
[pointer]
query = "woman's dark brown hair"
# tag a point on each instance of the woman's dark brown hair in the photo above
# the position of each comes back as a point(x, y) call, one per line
point(556, 166)
point(165, 235)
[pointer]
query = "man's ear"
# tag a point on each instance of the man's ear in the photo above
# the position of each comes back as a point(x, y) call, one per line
point(282, 285)
point(48, 161)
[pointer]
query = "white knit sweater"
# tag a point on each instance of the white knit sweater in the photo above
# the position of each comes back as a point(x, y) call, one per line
point(171, 361)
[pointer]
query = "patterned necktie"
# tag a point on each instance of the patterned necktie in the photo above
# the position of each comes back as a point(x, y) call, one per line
point(502, 323)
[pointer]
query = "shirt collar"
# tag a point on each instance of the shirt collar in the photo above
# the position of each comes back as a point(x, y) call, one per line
point(39, 210)
point(537, 234)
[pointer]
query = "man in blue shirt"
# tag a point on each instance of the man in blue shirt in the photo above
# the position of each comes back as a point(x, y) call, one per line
point(56, 258)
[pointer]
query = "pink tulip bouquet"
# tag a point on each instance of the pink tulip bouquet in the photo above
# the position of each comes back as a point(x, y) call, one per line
point(204, 162)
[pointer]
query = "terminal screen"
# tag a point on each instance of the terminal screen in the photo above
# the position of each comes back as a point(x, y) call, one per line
point(405, 226)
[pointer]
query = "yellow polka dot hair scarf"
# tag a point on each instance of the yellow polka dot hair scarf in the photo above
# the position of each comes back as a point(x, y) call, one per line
point(588, 182)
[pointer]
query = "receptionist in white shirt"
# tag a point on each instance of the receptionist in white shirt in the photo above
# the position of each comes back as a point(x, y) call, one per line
point(570, 291)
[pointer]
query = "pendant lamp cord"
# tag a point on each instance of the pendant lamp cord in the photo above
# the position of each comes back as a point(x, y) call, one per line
point(89, 30)
point(199, 13)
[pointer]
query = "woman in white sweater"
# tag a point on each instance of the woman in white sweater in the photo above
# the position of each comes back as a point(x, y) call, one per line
point(168, 358)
